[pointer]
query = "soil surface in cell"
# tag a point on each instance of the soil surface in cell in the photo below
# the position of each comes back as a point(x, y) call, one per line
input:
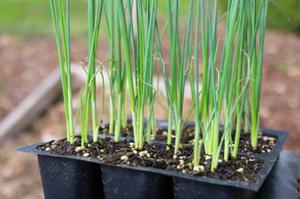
point(243, 169)
point(265, 144)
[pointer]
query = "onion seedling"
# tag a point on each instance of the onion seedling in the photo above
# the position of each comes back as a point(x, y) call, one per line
point(117, 81)
point(257, 20)
point(256, 28)
point(60, 11)
point(110, 15)
point(224, 92)
point(126, 45)
point(116, 73)
point(180, 60)
point(225, 87)
point(208, 99)
point(196, 91)
point(145, 16)
point(142, 51)
point(204, 100)
point(240, 63)
point(88, 101)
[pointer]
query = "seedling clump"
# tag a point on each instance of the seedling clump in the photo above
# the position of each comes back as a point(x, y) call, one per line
point(224, 72)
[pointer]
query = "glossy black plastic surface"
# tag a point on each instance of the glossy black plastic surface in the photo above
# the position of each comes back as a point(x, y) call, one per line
point(70, 179)
point(126, 183)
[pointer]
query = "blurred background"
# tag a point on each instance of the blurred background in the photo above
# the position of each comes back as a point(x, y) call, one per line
point(28, 58)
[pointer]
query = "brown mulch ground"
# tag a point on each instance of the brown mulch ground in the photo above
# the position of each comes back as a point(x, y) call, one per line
point(26, 63)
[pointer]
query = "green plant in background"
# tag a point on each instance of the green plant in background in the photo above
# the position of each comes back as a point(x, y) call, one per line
point(60, 10)
point(282, 14)
point(31, 25)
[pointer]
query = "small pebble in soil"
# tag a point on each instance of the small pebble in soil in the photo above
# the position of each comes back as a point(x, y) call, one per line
point(55, 142)
point(78, 149)
point(86, 154)
point(240, 170)
point(143, 154)
point(182, 157)
point(272, 139)
point(104, 130)
point(131, 144)
point(124, 158)
point(265, 138)
point(181, 165)
point(207, 157)
point(199, 169)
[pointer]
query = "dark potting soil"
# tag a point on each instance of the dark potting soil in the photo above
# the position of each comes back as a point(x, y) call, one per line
point(265, 144)
point(242, 169)
point(187, 135)
point(125, 131)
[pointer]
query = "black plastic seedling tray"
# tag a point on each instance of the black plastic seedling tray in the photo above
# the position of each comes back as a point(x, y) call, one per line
point(72, 177)
point(205, 187)
point(81, 177)
point(67, 177)
point(128, 182)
